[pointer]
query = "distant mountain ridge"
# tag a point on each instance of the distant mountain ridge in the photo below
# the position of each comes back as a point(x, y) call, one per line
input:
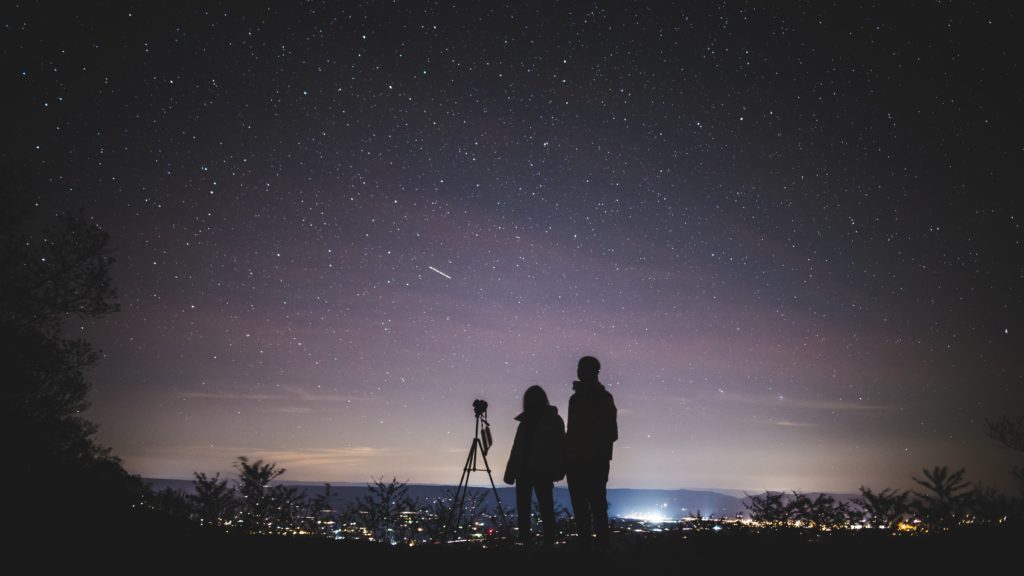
point(623, 502)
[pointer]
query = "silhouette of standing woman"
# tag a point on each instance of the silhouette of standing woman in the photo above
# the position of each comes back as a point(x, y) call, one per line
point(588, 442)
point(536, 462)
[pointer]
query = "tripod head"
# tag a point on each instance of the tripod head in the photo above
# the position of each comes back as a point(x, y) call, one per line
point(483, 427)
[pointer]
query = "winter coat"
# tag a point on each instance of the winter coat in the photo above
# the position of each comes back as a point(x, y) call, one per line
point(538, 449)
point(593, 425)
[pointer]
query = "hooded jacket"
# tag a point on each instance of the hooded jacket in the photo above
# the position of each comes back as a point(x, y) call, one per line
point(593, 425)
point(538, 449)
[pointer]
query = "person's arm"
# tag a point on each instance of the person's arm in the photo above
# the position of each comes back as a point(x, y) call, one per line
point(611, 424)
point(514, 458)
point(559, 451)
point(568, 417)
point(613, 419)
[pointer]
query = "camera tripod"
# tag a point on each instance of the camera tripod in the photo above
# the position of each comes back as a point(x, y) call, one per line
point(481, 443)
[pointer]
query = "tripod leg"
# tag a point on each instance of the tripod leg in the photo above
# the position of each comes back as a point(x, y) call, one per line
point(501, 512)
point(459, 501)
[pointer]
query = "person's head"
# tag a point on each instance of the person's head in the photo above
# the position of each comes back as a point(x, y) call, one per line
point(588, 368)
point(534, 399)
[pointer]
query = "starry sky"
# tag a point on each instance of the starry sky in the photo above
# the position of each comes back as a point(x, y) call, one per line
point(791, 232)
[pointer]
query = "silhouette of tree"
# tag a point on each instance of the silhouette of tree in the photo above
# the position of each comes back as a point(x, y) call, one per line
point(699, 522)
point(171, 502)
point(265, 508)
point(442, 513)
point(1009, 431)
point(53, 273)
point(322, 518)
point(886, 509)
point(821, 512)
point(380, 511)
point(988, 506)
point(943, 503)
point(214, 501)
point(562, 518)
point(770, 509)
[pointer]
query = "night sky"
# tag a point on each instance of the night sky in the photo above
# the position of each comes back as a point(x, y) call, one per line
point(791, 233)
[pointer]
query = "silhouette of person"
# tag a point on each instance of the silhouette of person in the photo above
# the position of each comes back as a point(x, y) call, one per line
point(593, 428)
point(537, 462)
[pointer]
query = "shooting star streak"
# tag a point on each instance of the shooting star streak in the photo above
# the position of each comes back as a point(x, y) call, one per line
point(439, 272)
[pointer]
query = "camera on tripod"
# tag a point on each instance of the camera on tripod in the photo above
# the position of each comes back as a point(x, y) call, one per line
point(482, 441)
point(482, 425)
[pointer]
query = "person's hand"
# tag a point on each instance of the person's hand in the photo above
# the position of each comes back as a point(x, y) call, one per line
point(509, 477)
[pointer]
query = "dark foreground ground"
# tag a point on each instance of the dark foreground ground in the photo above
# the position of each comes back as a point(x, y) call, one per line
point(145, 545)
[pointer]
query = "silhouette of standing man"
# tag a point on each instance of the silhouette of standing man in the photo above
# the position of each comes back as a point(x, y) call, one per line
point(589, 436)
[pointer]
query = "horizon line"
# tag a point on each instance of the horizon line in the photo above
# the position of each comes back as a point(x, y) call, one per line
point(723, 491)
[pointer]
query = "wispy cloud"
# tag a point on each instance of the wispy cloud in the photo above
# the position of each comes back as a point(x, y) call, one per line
point(287, 458)
point(786, 401)
point(792, 424)
point(297, 459)
point(256, 396)
point(290, 409)
point(308, 464)
point(768, 400)
point(289, 394)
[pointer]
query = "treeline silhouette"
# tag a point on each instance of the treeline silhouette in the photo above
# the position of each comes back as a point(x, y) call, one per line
point(255, 504)
point(946, 501)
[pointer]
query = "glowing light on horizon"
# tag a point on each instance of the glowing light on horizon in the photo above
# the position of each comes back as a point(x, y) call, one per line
point(653, 517)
